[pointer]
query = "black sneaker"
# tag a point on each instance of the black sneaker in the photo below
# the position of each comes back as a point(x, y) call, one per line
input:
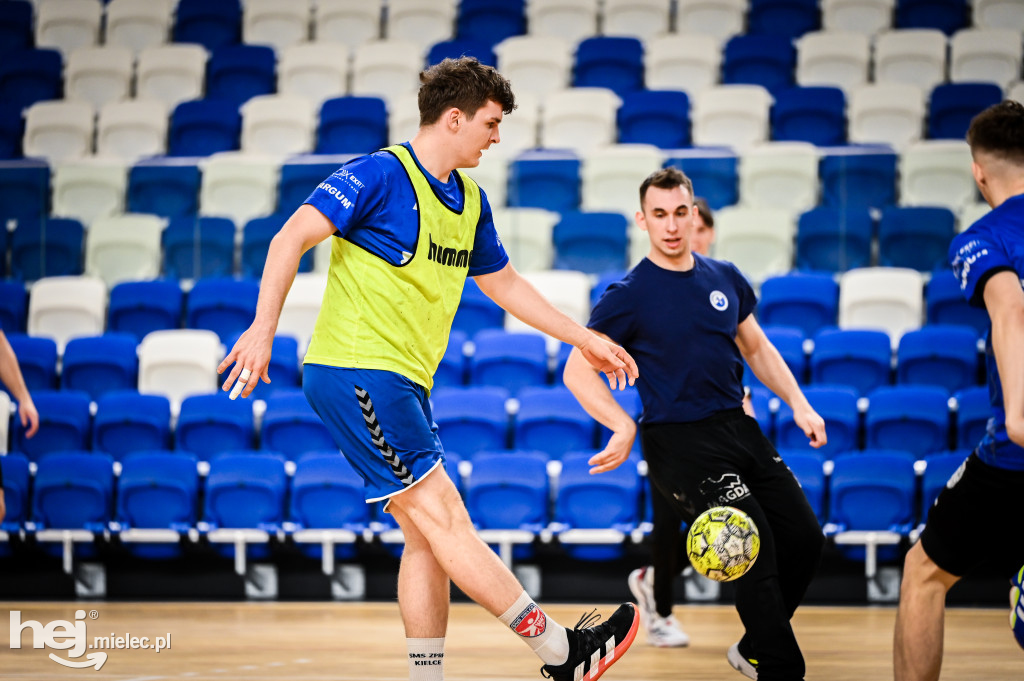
point(592, 649)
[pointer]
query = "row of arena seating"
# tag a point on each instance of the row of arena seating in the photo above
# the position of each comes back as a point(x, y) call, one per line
point(921, 419)
point(152, 501)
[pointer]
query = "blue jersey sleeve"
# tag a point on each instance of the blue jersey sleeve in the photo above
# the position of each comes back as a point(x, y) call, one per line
point(975, 256)
point(613, 314)
point(353, 194)
point(488, 253)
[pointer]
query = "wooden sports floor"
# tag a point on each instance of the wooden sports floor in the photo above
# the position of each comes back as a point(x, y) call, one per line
point(364, 642)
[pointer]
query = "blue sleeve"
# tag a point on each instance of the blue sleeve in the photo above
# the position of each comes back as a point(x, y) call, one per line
point(745, 293)
point(353, 194)
point(613, 314)
point(975, 256)
point(488, 253)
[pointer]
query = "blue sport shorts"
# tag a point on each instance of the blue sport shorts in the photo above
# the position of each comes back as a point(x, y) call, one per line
point(381, 421)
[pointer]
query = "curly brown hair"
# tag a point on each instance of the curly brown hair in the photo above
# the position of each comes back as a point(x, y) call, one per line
point(464, 84)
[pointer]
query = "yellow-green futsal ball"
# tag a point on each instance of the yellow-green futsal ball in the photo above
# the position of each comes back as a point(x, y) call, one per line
point(723, 543)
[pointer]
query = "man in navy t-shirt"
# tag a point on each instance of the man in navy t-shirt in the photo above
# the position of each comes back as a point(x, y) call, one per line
point(687, 321)
point(988, 259)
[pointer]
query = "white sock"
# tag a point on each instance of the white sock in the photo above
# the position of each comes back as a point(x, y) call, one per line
point(426, 659)
point(546, 637)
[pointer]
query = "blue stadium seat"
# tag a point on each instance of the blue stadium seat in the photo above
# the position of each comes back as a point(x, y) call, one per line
point(809, 114)
point(945, 303)
point(808, 467)
point(211, 24)
point(806, 301)
point(551, 420)
point(714, 176)
point(4, 250)
point(167, 189)
point(471, 419)
point(911, 418)
point(953, 105)
point(127, 421)
point(545, 179)
point(16, 493)
point(352, 125)
point(15, 26)
point(789, 341)
point(37, 359)
point(13, 306)
point(12, 129)
point(47, 247)
point(974, 409)
point(610, 501)
point(509, 491)
point(476, 311)
point(873, 490)
point(256, 236)
point(223, 305)
point(613, 62)
point(284, 365)
point(859, 180)
point(836, 404)
point(31, 75)
point(938, 354)
point(298, 180)
point(787, 18)
point(765, 60)
point(509, 360)
point(629, 400)
point(100, 364)
point(489, 21)
point(157, 490)
point(139, 307)
point(591, 242)
point(327, 494)
point(24, 190)
point(290, 426)
point(461, 47)
point(659, 117)
point(451, 372)
point(74, 490)
point(915, 236)
point(948, 16)
point(64, 424)
point(760, 402)
point(939, 470)
point(860, 358)
point(204, 126)
point(212, 424)
point(246, 491)
point(834, 239)
point(199, 247)
point(237, 73)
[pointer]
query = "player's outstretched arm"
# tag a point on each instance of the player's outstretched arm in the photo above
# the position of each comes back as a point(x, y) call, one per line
point(596, 398)
point(523, 301)
point(251, 354)
point(768, 365)
point(1004, 300)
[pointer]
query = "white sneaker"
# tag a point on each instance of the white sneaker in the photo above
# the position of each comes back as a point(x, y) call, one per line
point(741, 664)
point(665, 632)
point(641, 584)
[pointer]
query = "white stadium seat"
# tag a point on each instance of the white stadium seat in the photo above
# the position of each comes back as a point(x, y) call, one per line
point(886, 298)
point(63, 308)
point(731, 115)
point(171, 73)
point(610, 176)
point(526, 234)
point(642, 19)
point(916, 56)
point(423, 22)
point(539, 64)
point(937, 173)
point(68, 24)
point(352, 22)
point(302, 305)
point(278, 23)
point(99, 75)
point(985, 55)
point(387, 68)
point(886, 113)
point(278, 125)
point(862, 16)
point(89, 188)
point(720, 19)
point(579, 118)
point(833, 59)
point(59, 129)
point(132, 129)
point(1007, 14)
point(238, 186)
point(779, 175)
point(177, 363)
point(682, 62)
point(137, 24)
point(571, 20)
point(316, 71)
point(124, 248)
point(759, 241)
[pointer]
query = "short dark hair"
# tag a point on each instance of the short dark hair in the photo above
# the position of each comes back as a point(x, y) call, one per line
point(999, 130)
point(666, 178)
point(705, 211)
point(464, 84)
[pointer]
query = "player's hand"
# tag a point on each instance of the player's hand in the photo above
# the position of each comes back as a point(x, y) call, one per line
point(29, 416)
point(610, 359)
point(251, 357)
point(615, 452)
point(812, 424)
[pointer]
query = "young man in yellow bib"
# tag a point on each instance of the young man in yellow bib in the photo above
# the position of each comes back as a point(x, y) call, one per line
point(406, 229)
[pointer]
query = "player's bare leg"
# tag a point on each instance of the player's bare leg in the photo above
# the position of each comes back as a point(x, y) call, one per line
point(423, 587)
point(917, 645)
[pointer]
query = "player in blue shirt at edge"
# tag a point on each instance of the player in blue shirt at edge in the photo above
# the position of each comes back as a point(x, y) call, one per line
point(688, 322)
point(988, 259)
point(406, 228)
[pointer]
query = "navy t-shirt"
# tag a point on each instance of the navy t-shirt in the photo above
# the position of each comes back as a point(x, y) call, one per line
point(369, 199)
point(994, 243)
point(680, 327)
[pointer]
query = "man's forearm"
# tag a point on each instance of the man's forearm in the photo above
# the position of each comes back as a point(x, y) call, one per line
point(768, 365)
point(594, 394)
point(278, 274)
point(522, 300)
point(10, 373)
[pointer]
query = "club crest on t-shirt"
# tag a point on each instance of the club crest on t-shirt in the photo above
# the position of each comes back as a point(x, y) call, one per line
point(719, 301)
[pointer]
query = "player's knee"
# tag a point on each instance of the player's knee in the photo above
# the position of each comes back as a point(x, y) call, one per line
point(921, 572)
